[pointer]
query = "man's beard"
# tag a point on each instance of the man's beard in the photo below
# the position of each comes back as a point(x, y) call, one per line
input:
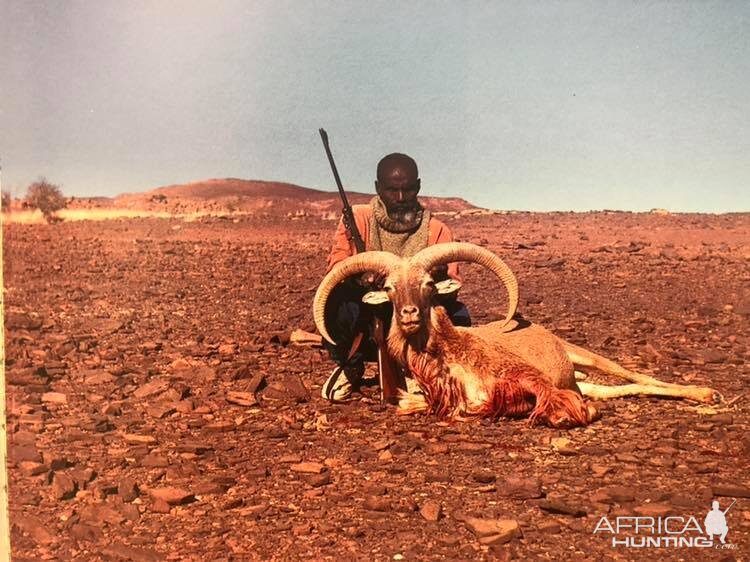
point(405, 217)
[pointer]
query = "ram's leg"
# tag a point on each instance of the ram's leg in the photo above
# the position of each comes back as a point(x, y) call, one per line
point(411, 403)
point(581, 357)
point(602, 392)
point(412, 400)
point(562, 408)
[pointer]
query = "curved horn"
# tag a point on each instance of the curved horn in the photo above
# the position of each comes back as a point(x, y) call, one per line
point(381, 262)
point(441, 254)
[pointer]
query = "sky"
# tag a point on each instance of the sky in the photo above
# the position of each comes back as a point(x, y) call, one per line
point(538, 106)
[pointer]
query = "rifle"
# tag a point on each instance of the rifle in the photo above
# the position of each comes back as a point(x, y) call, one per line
point(347, 214)
point(390, 376)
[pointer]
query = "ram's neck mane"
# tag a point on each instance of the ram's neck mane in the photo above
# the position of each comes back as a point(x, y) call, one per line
point(424, 356)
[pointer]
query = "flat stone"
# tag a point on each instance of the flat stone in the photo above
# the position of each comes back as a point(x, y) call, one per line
point(20, 453)
point(219, 427)
point(483, 476)
point(155, 461)
point(556, 506)
point(162, 410)
point(100, 513)
point(86, 532)
point(256, 383)
point(627, 458)
point(290, 459)
point(130, 511)
point(27, 377)
point(194, 447)
point(653, 509)
point(94, 378)
point(253, 510)
point(715, 356)
point(160, 506)
point(549, 527)
point(54, 398)
point(308, 467)
point(35, 528)
point(377, 503)
point(493, 531)
point(82, 476)
point(247, 399)
point(32, 468)
point(127, 489)
point(22, 321)
point(112, 409)
point(732, 491)
point(227, 349)
point(56, 461)
point(173, 496)
point(437, 477)
point(431, 510)
point(151, 388)
point(291, 389)
point(318, 480)
point(303, 338)
point(128, 553)
point(134, 439)
point(617, 494)
point(520, 488)
point(63, 486)
point(210, 488)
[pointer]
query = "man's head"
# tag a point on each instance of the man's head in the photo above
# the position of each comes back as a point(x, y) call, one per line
point(715, 505)
point(398, 185)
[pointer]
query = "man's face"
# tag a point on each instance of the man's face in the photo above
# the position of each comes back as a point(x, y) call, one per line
point(398, 188)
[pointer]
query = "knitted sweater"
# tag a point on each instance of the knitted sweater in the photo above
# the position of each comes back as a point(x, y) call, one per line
point(363, 216)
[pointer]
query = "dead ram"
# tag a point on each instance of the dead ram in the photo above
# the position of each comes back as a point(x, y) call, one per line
point(507, 368)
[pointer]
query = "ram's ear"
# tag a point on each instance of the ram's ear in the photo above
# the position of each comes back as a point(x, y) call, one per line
point(447, 287)
point(375, 297)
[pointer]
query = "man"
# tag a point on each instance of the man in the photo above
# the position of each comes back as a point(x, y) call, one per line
point(395, 222)
point(716, 522)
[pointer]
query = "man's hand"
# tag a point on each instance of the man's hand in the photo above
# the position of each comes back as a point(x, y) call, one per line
point(439, 273)
point(371, 280)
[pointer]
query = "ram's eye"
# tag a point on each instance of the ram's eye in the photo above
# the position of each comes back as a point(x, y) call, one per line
point(388, 288)
point(430, 284)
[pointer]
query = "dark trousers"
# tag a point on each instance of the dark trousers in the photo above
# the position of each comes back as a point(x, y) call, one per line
point(347, 316)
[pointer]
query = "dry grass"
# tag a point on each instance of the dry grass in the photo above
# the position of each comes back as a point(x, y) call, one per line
point(35, 216)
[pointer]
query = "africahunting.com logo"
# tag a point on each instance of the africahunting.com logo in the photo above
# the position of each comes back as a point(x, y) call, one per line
point(668, 532)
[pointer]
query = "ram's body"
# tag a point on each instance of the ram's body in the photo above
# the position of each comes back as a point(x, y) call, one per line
point(473, 371)
point(499, 369)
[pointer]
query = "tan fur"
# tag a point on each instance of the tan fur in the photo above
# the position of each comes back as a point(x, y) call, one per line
point(464, 372)
point(489, 370)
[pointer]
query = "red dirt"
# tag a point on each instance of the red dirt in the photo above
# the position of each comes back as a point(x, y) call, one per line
point(132, 346)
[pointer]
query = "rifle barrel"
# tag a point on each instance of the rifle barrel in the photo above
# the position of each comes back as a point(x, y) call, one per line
point(324, 137)
point(348, 214)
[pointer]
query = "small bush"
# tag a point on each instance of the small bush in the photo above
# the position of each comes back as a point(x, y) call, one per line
point(46, 197)
point(6, 200)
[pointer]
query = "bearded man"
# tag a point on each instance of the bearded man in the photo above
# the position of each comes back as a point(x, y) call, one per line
point(395, 222)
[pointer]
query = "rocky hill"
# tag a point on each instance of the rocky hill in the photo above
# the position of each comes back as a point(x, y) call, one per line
point(249, 196)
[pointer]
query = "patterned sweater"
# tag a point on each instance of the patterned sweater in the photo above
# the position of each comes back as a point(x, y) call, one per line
point(363, 215)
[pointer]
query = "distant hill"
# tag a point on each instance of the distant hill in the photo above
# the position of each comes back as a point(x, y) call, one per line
point(250, 196)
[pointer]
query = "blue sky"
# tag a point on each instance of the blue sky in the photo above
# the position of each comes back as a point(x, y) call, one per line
point(511, 105)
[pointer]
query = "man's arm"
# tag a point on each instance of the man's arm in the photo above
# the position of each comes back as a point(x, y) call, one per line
point(342, 247)
point(443, 234)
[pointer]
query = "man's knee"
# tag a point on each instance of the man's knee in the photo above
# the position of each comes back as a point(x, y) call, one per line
point(459, 314)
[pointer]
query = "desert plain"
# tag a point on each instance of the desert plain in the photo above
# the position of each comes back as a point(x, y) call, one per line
point(158, 407)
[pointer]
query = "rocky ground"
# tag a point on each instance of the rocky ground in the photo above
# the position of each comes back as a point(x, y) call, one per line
point(158, 411)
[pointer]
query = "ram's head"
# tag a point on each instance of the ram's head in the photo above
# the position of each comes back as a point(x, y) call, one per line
point(408, 283)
